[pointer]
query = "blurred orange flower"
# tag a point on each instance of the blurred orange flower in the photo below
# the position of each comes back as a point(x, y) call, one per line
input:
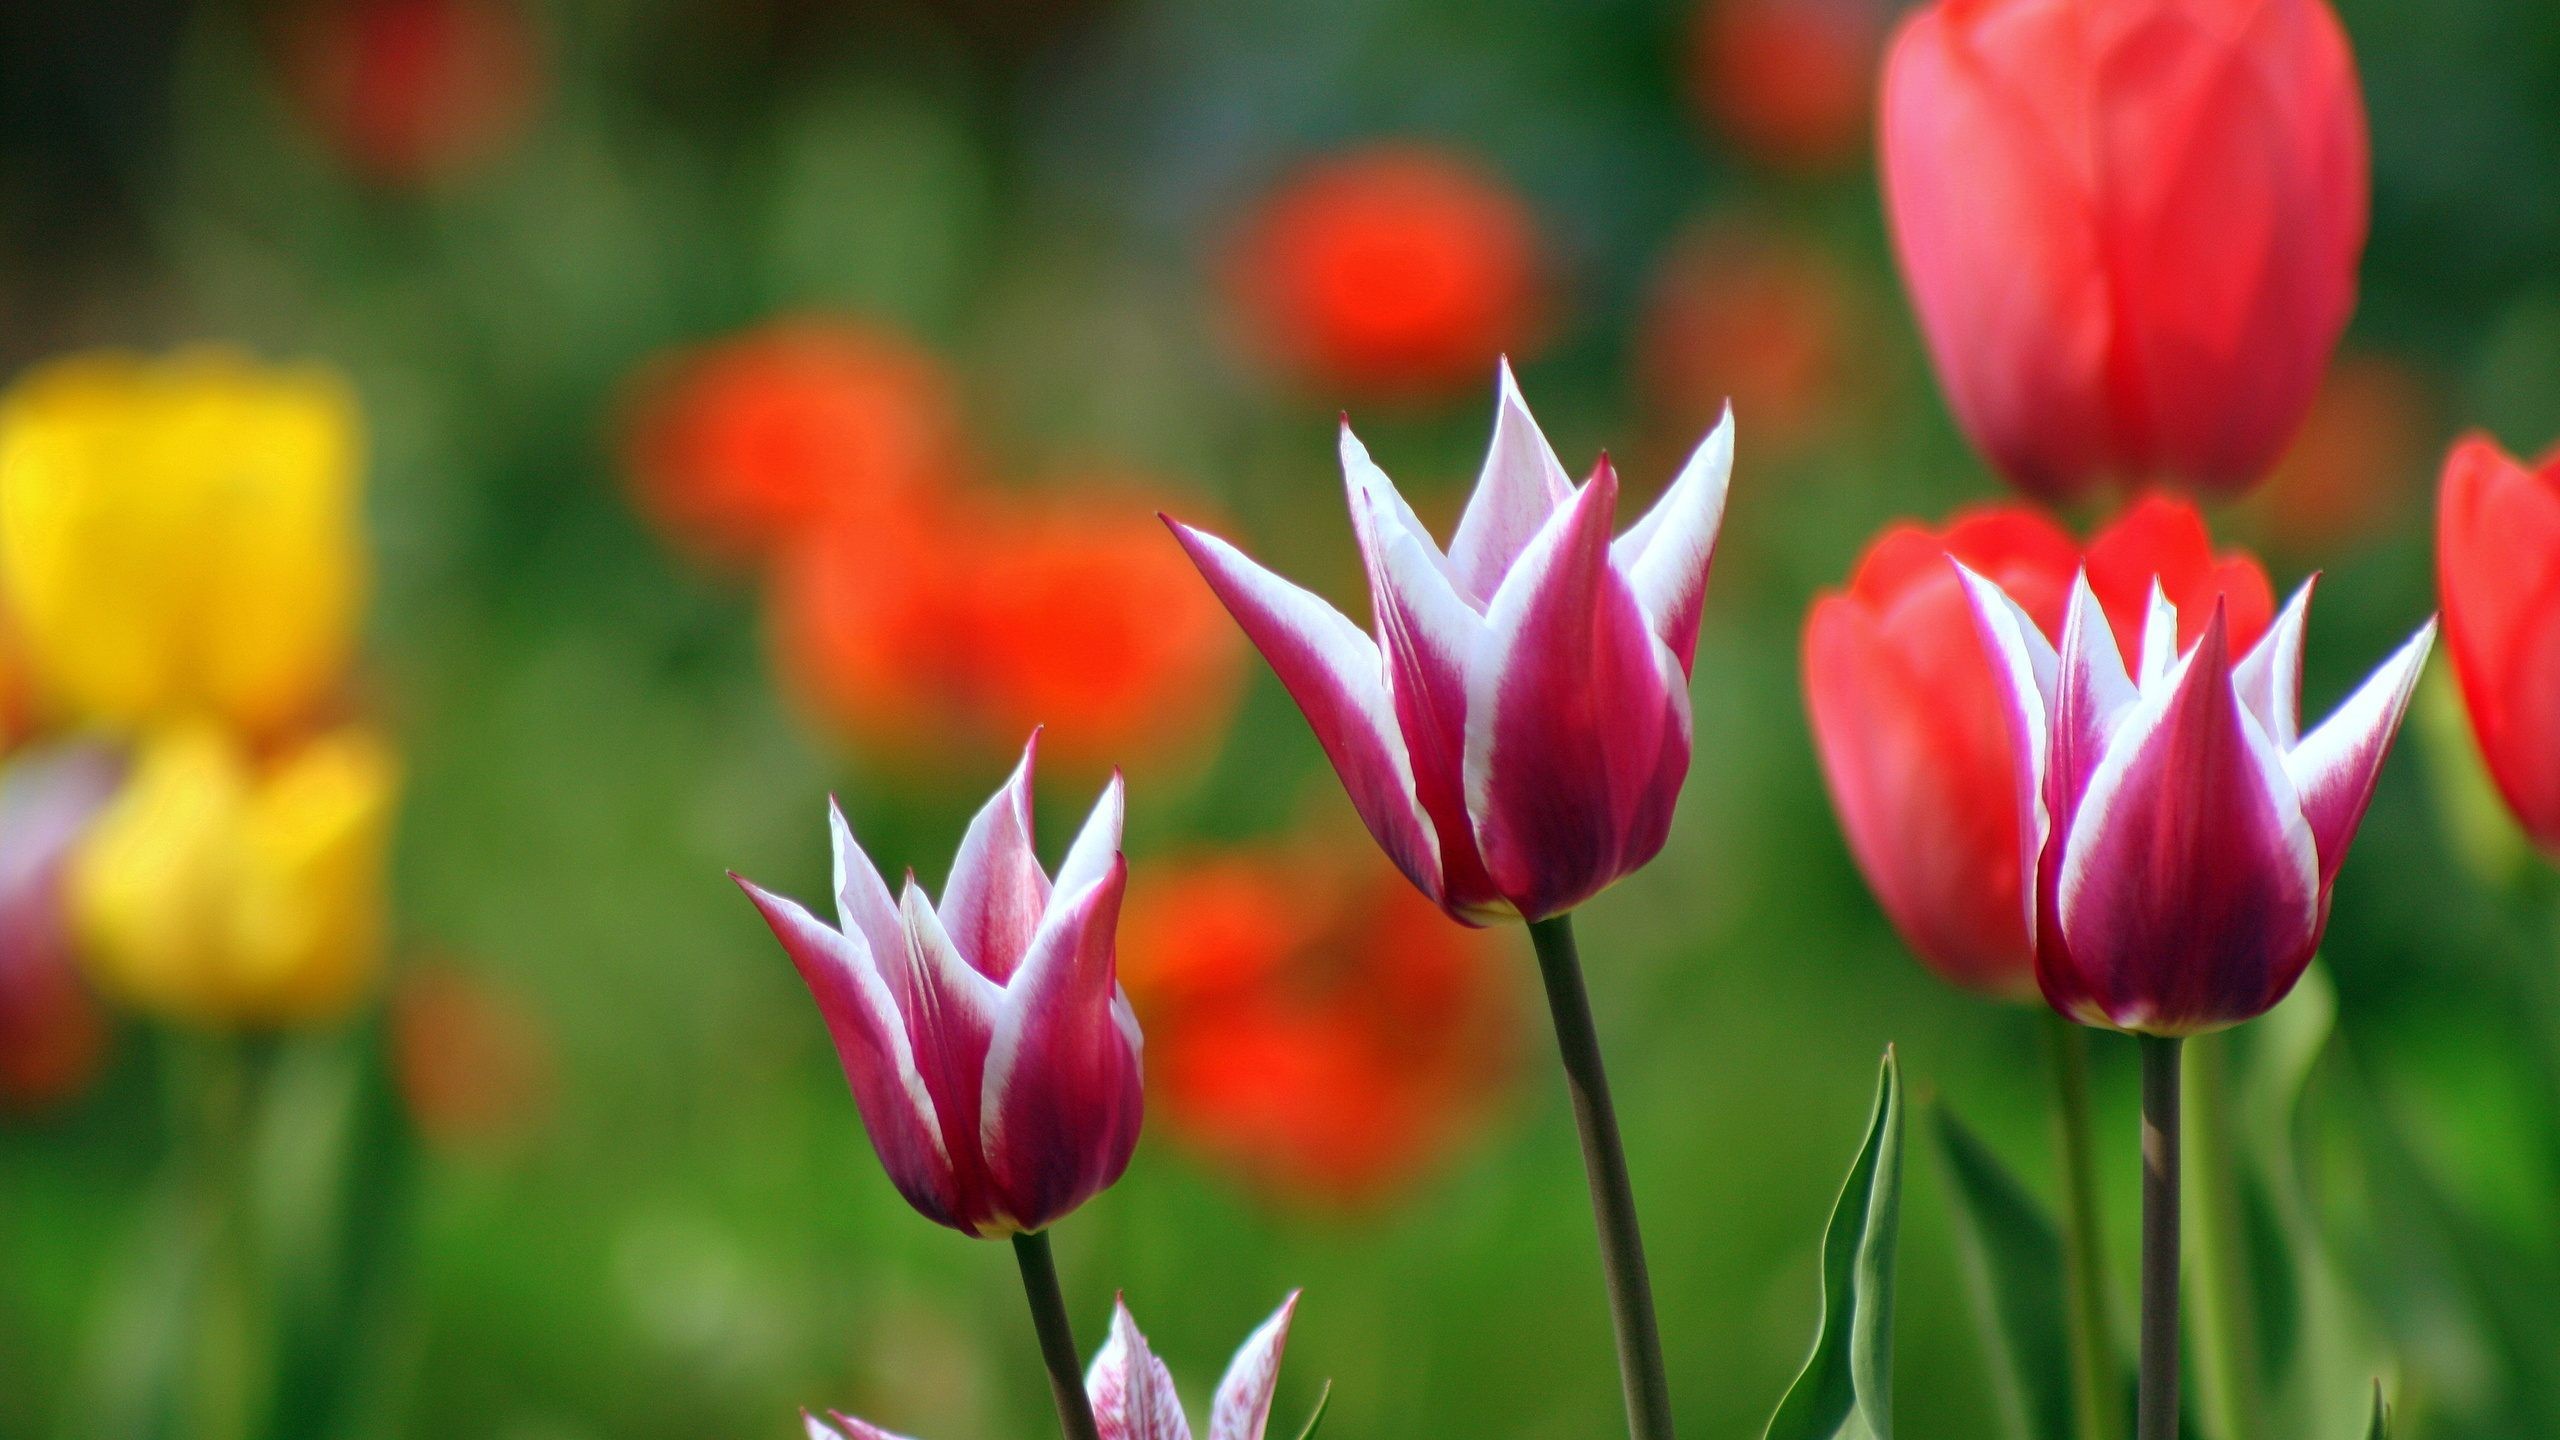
point(2363, 458)
point(1791, 83)
point(739, 445)
point(1398, 271)
point(960, 632)
point(472, 1060)
point(411, 91)
point(1743, 313)
point(1314, 1025)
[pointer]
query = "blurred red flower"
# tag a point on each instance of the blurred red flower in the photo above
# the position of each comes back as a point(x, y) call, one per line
point(2359, 463)
point(1737, 312)
point(1397, 272)
point(1790, 82)
point(471, 1060)
point(1314, 1025)
point(1910, 726)
point(53, 1034)
point(740, 445)
point(959, 632)
point(412, 91)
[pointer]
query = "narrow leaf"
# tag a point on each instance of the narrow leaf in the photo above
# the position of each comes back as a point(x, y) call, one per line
point(2380, 1429)
point(1845, 1391)
point(1315, 1418)
point(2013, 1264)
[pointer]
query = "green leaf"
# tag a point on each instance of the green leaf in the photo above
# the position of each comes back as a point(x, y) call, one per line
point(2013, 1263)
point(2380, 1429)
point(1324, 1397)
point(1845, 1391)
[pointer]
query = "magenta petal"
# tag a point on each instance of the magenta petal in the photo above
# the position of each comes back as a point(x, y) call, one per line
point(872, 1043)
point(2189, 895)
point(1062, 1098)
point(1577, 720)
point(1335, 674)
point(1521, 486)
point(2029, 672)
point(2336, 765)
point(1667, 554)
point(997, 888)
point(2269, 677)
point(2092, 695)
point(1131, 1391)
point(1242, 1407)
point(951, 1013)
point(1096, 846)
point(864, 906)
point(844, 1427)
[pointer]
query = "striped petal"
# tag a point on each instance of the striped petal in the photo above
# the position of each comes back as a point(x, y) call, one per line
point(1132, 1392)
point(1577, 720)
point(997, 889)
point(2189, 893)
point(864, 906)
point(872, 1043)
point(1336, 676)
point(1519, 490)
point(2336, 765)
point(2028, 672)
point(1242, 1408)
point(840, 1426)
point(1666, 555)
point(2092, 695)
point(2269, 677)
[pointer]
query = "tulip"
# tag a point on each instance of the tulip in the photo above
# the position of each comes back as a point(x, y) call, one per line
point(1132, 1392)
point(180, 539)
point(1516, 734)
point(2498, 565)
point(51, 1034)
point(2183, 832)
point(221, 891)
point(988, 1045)
point(1909, 722)
point(409, 92)
point(2130, 227)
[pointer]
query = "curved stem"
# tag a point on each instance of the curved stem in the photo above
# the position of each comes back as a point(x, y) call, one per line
point(2156, 1414)
point(1613, 1201)
point(2097, 1400)
point(1057, 1336)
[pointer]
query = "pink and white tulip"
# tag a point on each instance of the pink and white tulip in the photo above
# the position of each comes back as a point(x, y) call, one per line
point(2182, 832)
point(990, 1049)
point(1133, 1395)
point(1516, 730)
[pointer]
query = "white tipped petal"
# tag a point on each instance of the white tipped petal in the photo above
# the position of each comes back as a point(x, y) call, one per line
point(1521, 485)
point(2335, 767)
point(1667, 555)
point(2269, 677)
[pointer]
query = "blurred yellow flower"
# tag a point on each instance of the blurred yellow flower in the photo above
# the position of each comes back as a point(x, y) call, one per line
point(181, 538)
point(221, 890)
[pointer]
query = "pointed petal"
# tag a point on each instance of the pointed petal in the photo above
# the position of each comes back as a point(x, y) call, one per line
point(2269, 677)
point(872, 1044)
point(997, 888)
point(2159, 639)
point(2189, 892)
point(951, 1013)
point(863, 903)
point(1062, 1101)
point(1243, 1404)
point(1096, 845)
point(1520, 488)
point(844, 1427)
point(2336, 765)
point(1577, 720)
point(2029, 672)
point(1131, 1391)
point(1667, 554)
point(1337, 677)
point(2092, 696)
point(1379, 513)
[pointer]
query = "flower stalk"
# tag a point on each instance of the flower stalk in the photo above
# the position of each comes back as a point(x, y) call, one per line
point(1057, 1335)
point(2096, 1400)
point(1613, 1202)
point(2156, 1411)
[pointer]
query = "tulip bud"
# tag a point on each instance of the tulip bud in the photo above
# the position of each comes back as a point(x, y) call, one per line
point(1132, 1392)
point(2497, 564)
point(1516, 735)
point(221, 891)
point(2130, 227)
point(2183, 834)
point(1908, 718)
point(179, 539)
point(986, 1039)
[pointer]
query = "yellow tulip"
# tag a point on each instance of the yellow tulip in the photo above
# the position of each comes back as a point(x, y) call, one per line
point(221, 891)
point(180, 538)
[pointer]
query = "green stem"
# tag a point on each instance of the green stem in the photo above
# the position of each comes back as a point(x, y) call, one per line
point(229, 1367)
point(1613, 1201)
point(2229, 1377)
point(1057, 1335)
point(2156, 1410)
point(2097, 1402)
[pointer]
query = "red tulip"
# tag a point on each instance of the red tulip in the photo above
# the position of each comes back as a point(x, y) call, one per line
point(1788, 81)
point(1907, 711)
point(2498, 565)
point(2130, 227)
point(410, 91)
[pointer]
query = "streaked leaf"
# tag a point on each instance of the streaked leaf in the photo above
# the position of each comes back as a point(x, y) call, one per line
point(1845, 1391)
point(2013, 1262)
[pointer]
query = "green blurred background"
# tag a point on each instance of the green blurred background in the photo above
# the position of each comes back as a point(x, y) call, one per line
point(684, 1234)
